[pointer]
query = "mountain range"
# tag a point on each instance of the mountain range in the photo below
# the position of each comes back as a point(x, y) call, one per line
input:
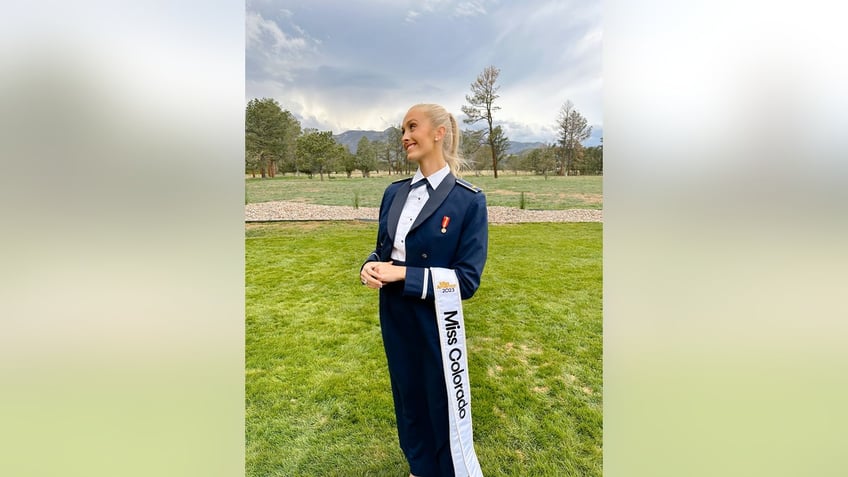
point(351, 138)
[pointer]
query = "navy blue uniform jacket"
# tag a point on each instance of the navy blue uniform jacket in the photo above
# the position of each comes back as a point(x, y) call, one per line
point(463, 247)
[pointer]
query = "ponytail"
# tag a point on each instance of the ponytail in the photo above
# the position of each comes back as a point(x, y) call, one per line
point(439, 116)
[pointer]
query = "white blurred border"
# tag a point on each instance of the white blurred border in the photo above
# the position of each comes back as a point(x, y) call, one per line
point(122, 285)
point(725, 220)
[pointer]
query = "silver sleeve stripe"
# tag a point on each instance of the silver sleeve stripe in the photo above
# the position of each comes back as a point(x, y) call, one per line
point(426, 283)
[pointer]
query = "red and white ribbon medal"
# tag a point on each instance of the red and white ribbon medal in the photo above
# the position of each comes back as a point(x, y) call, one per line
point(445, 222)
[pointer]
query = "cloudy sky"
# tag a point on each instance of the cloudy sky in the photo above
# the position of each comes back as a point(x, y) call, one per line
point(341, 65)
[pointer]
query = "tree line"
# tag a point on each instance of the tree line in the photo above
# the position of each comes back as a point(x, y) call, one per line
point(566, 156)
point(276, 143)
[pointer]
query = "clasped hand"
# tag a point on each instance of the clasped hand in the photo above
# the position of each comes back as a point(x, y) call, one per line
point(377, 274)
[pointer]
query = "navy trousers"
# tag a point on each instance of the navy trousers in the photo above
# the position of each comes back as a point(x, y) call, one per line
point(410, 338)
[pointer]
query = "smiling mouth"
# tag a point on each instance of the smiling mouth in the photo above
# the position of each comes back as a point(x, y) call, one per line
point(409, 146)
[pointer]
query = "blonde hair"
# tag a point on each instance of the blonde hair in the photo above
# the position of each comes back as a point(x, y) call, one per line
point(439, 116)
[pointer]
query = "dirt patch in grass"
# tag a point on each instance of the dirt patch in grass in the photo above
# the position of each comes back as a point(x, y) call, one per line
point(289, 225)
point(508, 192)
point(522, 351)
point(587, 198)
point(254, 229)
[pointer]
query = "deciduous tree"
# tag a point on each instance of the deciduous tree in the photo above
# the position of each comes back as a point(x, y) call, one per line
point(471, 142)
point(499, 144)
point(394, 144)
point(383, 151)
point(572, 129)
point(541, 160)
point(347, 163)
point(366, 157)
point(481, 106)
point(291, 131)
point(319, 150)
point(593, 160)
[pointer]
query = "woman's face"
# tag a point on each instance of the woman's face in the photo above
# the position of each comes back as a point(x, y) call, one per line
point(419, 137)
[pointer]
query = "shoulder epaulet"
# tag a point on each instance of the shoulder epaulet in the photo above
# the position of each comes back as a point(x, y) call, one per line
point(402, 180)
point(468, 185)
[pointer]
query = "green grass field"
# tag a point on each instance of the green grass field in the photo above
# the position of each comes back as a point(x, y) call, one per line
point(318, 401)
point(553, 193)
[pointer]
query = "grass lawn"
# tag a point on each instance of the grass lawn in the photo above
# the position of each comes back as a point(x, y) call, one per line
point(318, 400)
point(553, 193)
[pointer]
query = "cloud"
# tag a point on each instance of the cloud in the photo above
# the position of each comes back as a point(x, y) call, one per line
point(270, 52)
point(470, 9)
point(523, 132)
point(411, 16)
point(348, 79)
point(590, 41)
point(258, 31)
point(337, 74)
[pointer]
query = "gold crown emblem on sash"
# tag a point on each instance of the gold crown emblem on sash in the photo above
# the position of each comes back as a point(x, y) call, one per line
point(445, 285)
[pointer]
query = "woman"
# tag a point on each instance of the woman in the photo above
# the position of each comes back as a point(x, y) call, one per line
point(432, 236)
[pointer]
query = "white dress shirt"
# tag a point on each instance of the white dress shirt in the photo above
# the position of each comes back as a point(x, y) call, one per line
point(414, 203)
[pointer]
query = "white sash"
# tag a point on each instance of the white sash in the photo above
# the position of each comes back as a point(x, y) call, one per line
point(451, 328)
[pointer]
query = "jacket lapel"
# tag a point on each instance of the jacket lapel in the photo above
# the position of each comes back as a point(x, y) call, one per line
point(396, 208)
point(436, 198)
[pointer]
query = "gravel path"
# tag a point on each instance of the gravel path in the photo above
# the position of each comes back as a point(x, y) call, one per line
point(273, 211)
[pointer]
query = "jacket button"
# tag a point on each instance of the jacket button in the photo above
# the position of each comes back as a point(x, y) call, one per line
point(381, 244)
point(424, 255)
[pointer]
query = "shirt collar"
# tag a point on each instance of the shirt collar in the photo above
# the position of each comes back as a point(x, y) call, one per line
point(435, 178)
